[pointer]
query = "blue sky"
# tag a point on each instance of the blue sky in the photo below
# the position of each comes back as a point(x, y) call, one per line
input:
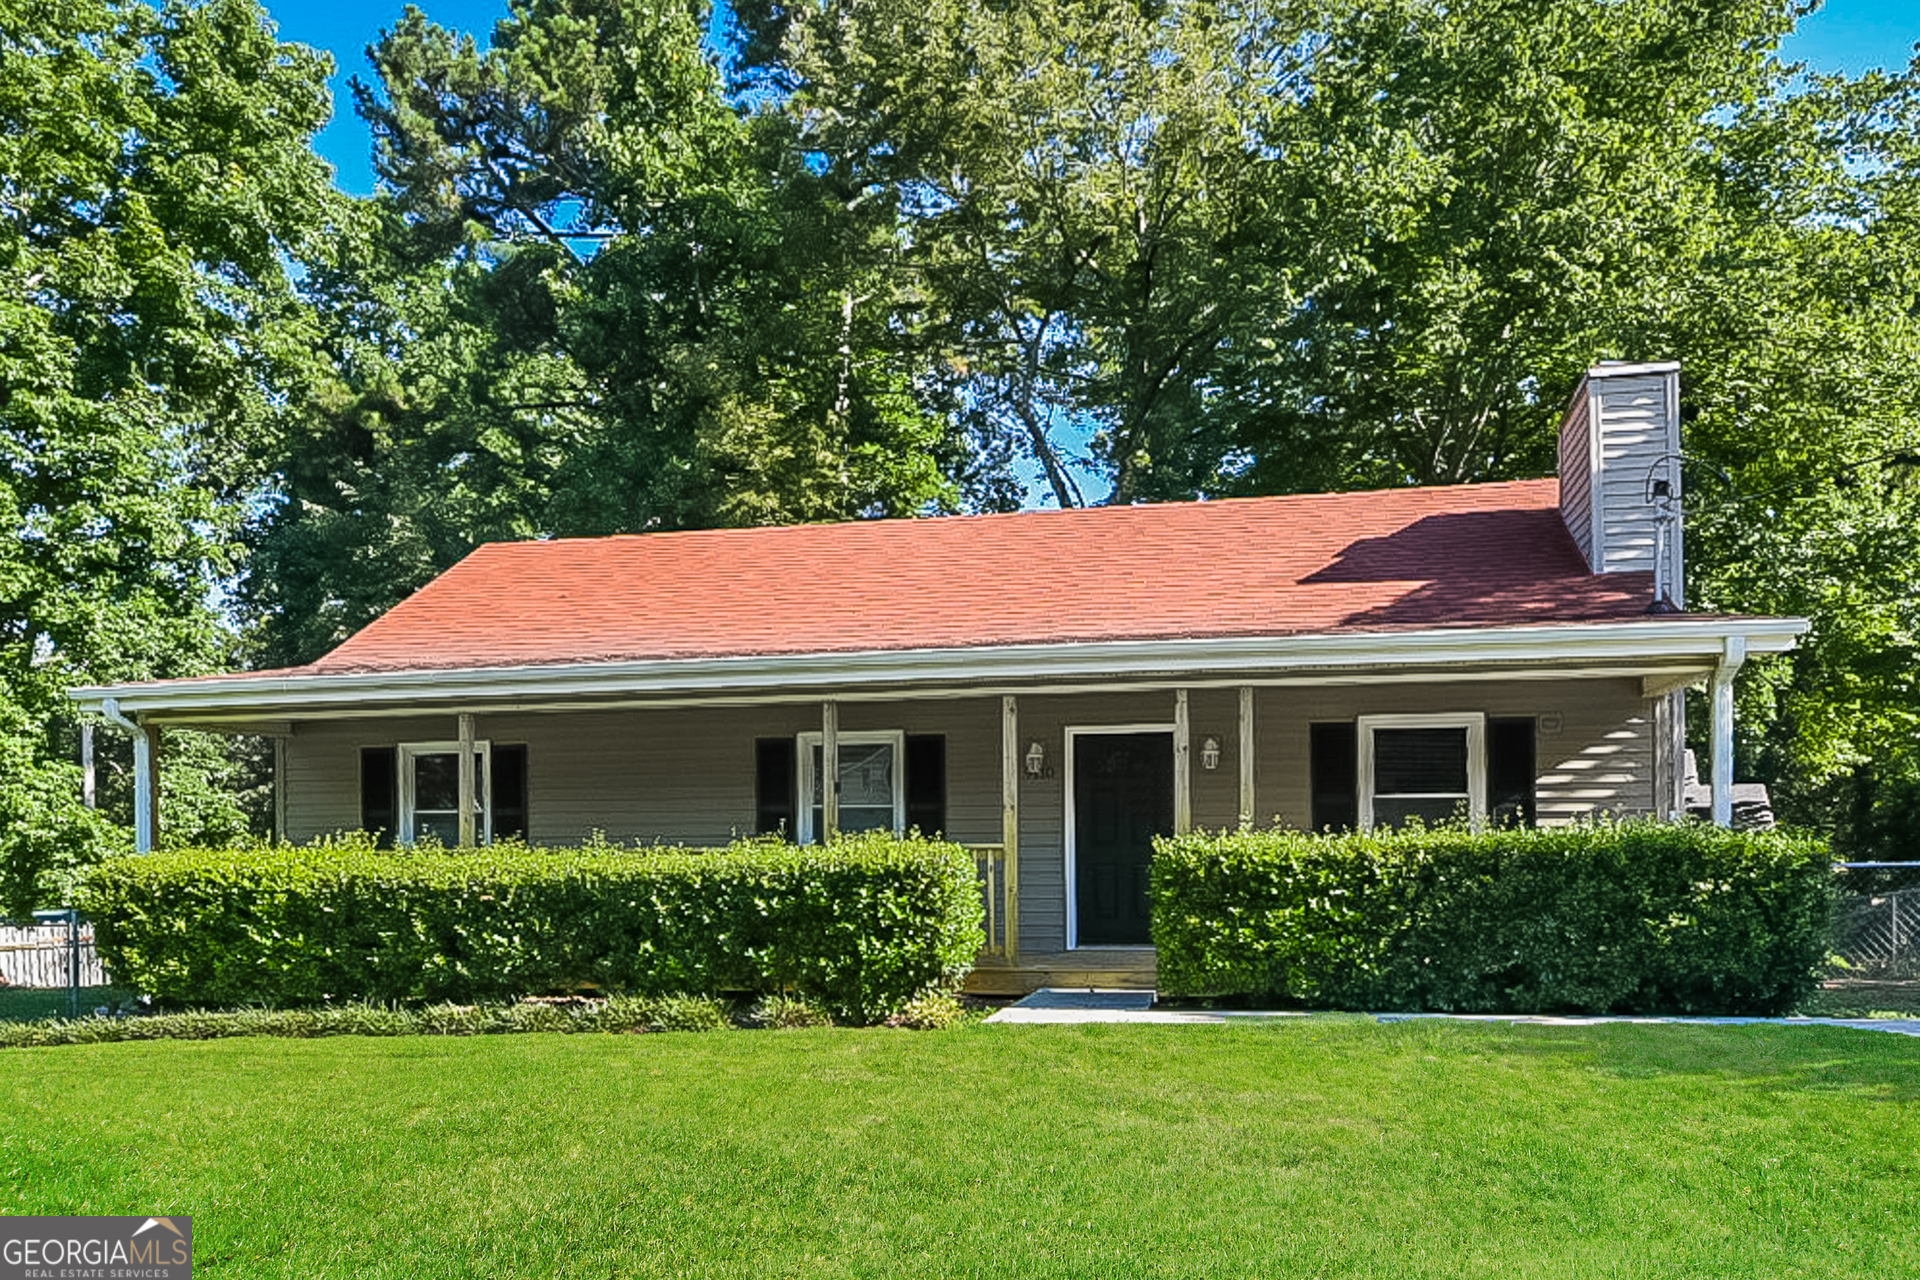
point(1847, 35)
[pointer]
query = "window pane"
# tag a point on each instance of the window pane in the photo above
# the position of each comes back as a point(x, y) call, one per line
point(1412, 761)
point(1389, 812)
point(866, 778)
point(443, 826)
point(436, 781)
point(436, 795)
point(864, 818)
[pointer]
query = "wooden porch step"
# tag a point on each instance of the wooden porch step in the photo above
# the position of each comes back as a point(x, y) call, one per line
point(1087, 967)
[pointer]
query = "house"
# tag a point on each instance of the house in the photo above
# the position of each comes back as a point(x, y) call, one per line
point(1052, 688)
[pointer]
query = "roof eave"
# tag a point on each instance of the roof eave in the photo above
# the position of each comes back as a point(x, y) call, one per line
point(1675, 641)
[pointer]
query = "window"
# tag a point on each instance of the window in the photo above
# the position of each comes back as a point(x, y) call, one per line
point(430, 792)
point(873, 794)
point(413, 790)
point(776, 770)
point(1428, 767)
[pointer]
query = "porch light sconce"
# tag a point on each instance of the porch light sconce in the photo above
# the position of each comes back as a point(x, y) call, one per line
point(1210, 754)
point(1036, 759)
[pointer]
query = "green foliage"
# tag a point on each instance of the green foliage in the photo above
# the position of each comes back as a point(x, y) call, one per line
point(1265, 249)
point(857, 929)
point(785, 1012)
point(160, 192)
point(618, 1014)
point(1096, 201)
point(931, 1011)
point(599, 298)
point(1629, 918)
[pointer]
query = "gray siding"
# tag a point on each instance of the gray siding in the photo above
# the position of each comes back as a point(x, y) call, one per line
point(676, 776)
point(1637, 428)
point(1599, 761)
point(687, 775)
point(1576, 472)
point(1621, 432)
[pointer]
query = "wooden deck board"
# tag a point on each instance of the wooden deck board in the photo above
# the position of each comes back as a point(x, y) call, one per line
point(1085, 967)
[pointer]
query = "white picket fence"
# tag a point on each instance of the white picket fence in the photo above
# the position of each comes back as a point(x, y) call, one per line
point(51, 952)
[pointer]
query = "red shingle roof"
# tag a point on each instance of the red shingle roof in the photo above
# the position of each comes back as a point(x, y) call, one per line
point(1495, 554)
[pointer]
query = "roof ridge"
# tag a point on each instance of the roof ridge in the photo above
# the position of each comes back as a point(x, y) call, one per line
point(1101, 510)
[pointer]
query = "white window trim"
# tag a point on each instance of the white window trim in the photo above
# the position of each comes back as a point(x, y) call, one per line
point(803, 797)
point(483, 823)
point(1474, 722)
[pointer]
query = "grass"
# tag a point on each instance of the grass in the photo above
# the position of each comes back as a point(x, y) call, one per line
point(1318, 1147)
point(25, 1004)
point(1863, 998)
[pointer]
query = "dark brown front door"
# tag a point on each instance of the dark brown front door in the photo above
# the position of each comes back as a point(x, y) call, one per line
point(1122, 799)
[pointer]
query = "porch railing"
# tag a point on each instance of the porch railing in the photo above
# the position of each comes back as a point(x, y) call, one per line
point(997, 890)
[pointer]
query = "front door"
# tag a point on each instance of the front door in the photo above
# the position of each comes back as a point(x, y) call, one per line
point(1122, 799)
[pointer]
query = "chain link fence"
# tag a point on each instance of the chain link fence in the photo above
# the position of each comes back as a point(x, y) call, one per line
point(51, 952)
point(1876, 926)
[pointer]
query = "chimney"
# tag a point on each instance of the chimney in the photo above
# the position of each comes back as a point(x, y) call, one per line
point(1620, 473)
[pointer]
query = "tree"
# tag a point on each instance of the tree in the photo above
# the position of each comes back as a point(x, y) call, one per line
point(1354, 245)
point(1097, 198)
point(157, 183)
point(600, 298)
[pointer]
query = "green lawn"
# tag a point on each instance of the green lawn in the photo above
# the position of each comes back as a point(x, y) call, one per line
point(1322, 1147)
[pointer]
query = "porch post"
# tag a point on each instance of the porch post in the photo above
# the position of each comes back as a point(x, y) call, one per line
point(1723, 674)
point(467, 788)
point(280, 789)
point(146, 788)
point(1182, 766)
point(88, 794)
point(1010, 818)
point(1246, 756)
point(829, 771)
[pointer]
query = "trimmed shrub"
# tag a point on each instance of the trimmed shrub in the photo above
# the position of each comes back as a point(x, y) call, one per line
point(620, 1014)
point(859, 928)
point(1613, 918)
point(787, 1013)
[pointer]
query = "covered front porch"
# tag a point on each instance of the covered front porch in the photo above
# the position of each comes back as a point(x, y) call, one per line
point(1058, 775)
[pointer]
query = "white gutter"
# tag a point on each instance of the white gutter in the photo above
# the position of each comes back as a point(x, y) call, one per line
point(1699, 641)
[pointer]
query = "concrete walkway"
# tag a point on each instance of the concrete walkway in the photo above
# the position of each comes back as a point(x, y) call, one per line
point(1057, 1005)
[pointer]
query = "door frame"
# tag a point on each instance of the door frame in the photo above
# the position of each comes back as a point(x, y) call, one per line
point(1072, 854)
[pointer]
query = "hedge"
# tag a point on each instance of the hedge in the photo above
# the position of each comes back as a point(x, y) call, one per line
point(620, 1014)
point(859, 928)
point(1614, 918)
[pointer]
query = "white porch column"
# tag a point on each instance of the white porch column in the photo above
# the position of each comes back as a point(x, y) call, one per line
point(146, 775)
point(1246, 757)
point(146, 787)
point(1010, 818)
point(1182, 766)
point(468, 789)
point(829, 771)
point(280, 788)
point(89, 796)
point(1734, 655)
